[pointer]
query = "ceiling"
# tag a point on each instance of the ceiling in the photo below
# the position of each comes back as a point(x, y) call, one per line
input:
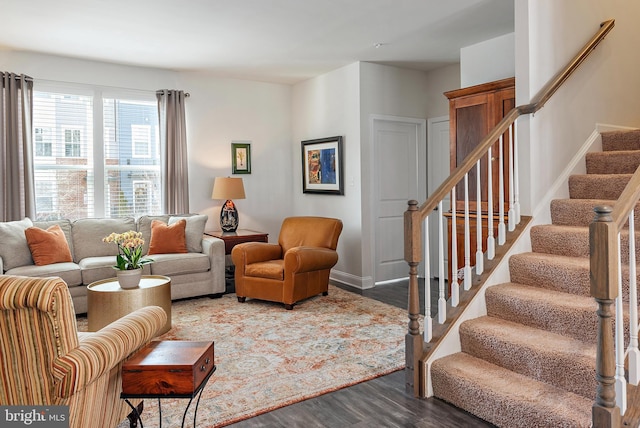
point(283, 41)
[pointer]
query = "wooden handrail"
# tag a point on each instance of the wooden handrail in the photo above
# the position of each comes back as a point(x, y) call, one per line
point(414, 216)
point(538, 102)
point(627, 200)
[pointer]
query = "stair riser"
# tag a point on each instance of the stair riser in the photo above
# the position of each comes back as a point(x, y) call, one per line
point(624, 162)
point(597, 186)
point(565, 370)
point(580, 323)
point(573, 243)
point(621, 140)
point(553, 275)
point(503, 408)
point(578, 212)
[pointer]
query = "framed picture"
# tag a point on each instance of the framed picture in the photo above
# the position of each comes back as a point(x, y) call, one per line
point(322, 166)
point(241, 157)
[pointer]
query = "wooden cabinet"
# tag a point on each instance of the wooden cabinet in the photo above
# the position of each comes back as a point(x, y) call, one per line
point(473, 112)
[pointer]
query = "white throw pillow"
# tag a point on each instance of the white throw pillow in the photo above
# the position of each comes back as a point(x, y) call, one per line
point(14, 249)
point(194, 230)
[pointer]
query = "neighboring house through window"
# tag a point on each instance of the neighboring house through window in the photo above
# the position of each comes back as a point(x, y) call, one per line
point(93, 152)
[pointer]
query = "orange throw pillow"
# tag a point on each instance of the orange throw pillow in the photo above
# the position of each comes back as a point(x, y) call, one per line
point(167, 239)
point(48, 246)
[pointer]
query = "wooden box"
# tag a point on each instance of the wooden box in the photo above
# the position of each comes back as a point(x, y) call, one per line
point(168, 368)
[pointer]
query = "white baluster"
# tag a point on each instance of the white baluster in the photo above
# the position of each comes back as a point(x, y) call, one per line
point(442, 300)
point(516, 173)
point(428, 321)
point(633, 353)
point(467, 238)
point(621, 383)
point(502, 233)
point(453, 281)
point(491, 240)
point(512, 211)
point(479, 255)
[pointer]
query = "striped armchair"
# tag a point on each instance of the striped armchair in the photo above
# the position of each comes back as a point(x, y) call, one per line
point(46, 362)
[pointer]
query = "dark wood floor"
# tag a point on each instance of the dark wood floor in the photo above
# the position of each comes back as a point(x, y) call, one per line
point(381, 402)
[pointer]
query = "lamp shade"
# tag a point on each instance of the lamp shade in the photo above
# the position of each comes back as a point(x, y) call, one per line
point(226, 188)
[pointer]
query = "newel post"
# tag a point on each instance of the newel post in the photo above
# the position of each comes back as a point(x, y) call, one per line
point(412, 254)
point(604, 289)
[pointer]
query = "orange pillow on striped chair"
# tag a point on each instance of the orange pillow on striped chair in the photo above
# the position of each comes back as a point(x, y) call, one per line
point(48, 246)
point(167, 239)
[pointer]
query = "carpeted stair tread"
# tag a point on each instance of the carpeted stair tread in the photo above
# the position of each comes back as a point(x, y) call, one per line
point(551, 271)
point(543, 355)
point(560, 273)
point(621, 140)
point(597, 186)
point(572, 241)
point(613, 162)
point(579, 212)
point(505, 398)
point(554, 311)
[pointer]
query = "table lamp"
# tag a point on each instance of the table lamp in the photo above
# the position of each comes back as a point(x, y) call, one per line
point(228, 188)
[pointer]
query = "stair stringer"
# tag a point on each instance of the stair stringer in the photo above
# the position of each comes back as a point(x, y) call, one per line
point(477, 307)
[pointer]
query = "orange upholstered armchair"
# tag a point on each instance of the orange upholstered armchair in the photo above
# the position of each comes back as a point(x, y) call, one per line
point(295, 268)
point(46, 362)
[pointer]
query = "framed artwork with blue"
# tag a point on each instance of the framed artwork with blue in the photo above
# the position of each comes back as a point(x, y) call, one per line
point(322, 166)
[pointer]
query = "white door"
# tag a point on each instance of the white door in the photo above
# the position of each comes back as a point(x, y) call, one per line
point(438, 170)
point(399, 164)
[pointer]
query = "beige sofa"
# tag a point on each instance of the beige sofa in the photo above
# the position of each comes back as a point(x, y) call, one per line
point(196, 273)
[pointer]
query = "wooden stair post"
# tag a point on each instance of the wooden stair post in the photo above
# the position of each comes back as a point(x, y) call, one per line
point(604, 289)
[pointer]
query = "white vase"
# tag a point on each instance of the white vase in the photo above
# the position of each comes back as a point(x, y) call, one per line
point(129, 278)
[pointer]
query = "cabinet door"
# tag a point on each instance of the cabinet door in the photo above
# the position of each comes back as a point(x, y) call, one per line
point(470, 120)
point(503, 101)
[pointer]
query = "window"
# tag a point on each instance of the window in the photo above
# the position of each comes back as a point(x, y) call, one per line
point(132, 163)
point(79, 173)
point(141, 141)
point(42, 141)
point(64, 178)
point(72, 143)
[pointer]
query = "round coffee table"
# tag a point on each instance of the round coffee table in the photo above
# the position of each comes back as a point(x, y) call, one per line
point(107, 302)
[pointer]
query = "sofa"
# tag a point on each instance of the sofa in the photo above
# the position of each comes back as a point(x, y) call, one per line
point(198, 272)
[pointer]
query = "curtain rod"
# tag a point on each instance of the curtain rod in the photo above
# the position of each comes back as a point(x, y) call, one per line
point(186, 94)
point(19, 76)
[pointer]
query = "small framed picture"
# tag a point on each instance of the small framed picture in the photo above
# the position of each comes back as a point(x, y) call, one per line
point(241, 157)
point(322, 166)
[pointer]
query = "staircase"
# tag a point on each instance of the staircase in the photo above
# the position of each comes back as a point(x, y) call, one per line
point(530, 362)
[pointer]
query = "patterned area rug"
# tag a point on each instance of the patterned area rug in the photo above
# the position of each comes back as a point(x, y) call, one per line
point(268, 357)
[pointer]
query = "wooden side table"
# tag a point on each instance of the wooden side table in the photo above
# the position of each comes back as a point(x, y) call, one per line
point(231, 239)
point(168, 369)
point(107, 302)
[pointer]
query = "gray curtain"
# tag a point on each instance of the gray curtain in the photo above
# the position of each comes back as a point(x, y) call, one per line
point(16, 151)
point(173, 143)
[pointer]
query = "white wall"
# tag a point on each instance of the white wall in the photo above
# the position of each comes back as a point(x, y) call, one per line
point(327, 106)
point(605, 89)
point(389, 91)
point(218, 111)
point(439, 81)
point(487, 61)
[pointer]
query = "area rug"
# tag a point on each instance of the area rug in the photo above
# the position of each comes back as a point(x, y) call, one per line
point(268, 357)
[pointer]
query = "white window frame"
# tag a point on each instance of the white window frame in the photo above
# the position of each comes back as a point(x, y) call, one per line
point(72, 144)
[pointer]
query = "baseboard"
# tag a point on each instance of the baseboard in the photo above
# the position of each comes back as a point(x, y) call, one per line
point(343, 278)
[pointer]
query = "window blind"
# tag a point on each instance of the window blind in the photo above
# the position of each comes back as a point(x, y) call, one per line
point(65, 149)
